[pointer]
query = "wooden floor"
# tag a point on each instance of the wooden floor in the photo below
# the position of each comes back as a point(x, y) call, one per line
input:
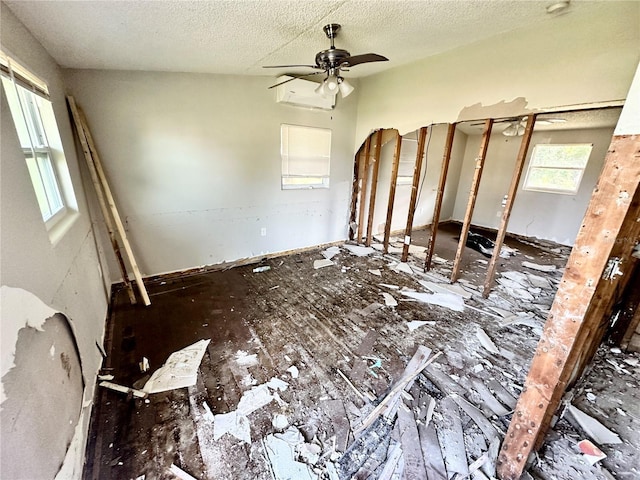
point(328, 323)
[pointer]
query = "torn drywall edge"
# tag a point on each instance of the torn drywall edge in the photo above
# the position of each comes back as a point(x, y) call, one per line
point(20, 309)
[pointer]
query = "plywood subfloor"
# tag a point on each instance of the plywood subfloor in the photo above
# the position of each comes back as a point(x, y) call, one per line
point(324, 322)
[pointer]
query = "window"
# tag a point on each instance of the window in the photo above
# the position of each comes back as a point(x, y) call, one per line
point(306, 156)
point(557, 168)
point(32, 113)
point(407, 161)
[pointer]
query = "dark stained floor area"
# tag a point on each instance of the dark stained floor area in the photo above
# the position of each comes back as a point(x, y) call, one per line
point(332, 323)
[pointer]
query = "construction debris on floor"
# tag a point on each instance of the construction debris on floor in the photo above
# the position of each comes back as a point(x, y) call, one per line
point(347, 363)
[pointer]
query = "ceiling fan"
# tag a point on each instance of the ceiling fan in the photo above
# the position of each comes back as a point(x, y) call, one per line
point(517, 125)
point(331, 62)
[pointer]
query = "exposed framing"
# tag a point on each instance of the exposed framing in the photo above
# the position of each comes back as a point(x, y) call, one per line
point(374, 187)
point(363, 187)
point(417, 170)
point(511, 198)
point(437, 208)
point(473, 195)
point(563, 338)
point(392, 191)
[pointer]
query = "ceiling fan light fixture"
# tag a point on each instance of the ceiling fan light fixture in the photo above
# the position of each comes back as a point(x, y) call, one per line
point(514, 129)
point(331, 83)
point(345, 87)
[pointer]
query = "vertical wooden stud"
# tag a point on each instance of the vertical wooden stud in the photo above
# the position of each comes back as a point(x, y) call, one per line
point(392, 191)
point(437, 208)
point(558, 351)
point(374, 186)
point(417, 170)
point(473, 194)
point(363, 187)
point(511, 197)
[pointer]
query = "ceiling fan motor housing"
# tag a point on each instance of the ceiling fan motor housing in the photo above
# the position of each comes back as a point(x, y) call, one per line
point(332, 58)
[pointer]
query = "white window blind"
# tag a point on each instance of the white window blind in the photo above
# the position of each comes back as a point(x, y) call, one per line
point(306, 156)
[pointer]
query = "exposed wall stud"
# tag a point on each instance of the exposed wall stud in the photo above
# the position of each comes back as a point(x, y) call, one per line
point(511, 197)
point(392, 191)
point(473, 194)
point(374, 186)
point(437, 208)
point(560, 345)
point(363, 187)
point(417, 170)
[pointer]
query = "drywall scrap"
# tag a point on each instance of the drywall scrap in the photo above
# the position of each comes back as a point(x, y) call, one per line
point(180, 370)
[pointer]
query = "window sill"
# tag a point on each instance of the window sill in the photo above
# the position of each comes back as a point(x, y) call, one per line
point(62, 226)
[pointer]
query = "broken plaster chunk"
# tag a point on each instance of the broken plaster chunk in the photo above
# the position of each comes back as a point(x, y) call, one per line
point(246, 360)
point(180, 369)
point(359, 251)
point(330, 252)
point(591, 453)
point(322, 263)
point(276, 384)
point(279, 421)
point(293, 370)
point(592, 427)
point(540, 268)
point(181, 474)
point(389, 301)
point(485, 341)
point(390, 287)
point(401, 267)
point(261, 269)
point(283, 465)
point(448, 300)
point(376, 271)
point(414, 324)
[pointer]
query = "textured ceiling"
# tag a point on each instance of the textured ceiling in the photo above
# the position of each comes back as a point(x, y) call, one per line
point(237, 37)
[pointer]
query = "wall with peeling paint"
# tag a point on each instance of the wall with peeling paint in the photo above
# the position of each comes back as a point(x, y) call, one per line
point(588, 55)
point(194, 163)
point(548, 216)
point(65, 277)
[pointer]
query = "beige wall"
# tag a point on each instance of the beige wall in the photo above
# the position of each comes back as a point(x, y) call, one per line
point(194, 163)
point(548, 216)
point(588, 55)
point(66, 277)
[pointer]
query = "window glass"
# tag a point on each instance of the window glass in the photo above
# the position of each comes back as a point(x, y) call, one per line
point(557, 168)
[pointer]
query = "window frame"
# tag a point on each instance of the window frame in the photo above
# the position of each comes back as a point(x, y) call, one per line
point(305, 181)
point(560, 191)
point(36, 127)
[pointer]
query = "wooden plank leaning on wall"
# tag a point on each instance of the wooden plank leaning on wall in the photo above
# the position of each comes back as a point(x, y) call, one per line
point(511, 198)
point(437, 208)
point(473, 195)
point(100, 183)
point(563, 337)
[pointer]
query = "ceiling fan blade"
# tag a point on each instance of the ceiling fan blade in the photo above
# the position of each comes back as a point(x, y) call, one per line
point(289, 66)
point(364, 58)
point(295, 77)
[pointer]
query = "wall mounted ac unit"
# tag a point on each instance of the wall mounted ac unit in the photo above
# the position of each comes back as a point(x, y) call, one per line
point(301, 93)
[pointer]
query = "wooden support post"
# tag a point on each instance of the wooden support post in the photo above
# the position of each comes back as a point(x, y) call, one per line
point(354, 195)
point(363, 188)
point(89, 148)
point(392, 191)
point(101, 200)
point(446, 157)
point(374, 186)
point(556, 357)
point(511, 197)
point(473, 194)
point(417, 170)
